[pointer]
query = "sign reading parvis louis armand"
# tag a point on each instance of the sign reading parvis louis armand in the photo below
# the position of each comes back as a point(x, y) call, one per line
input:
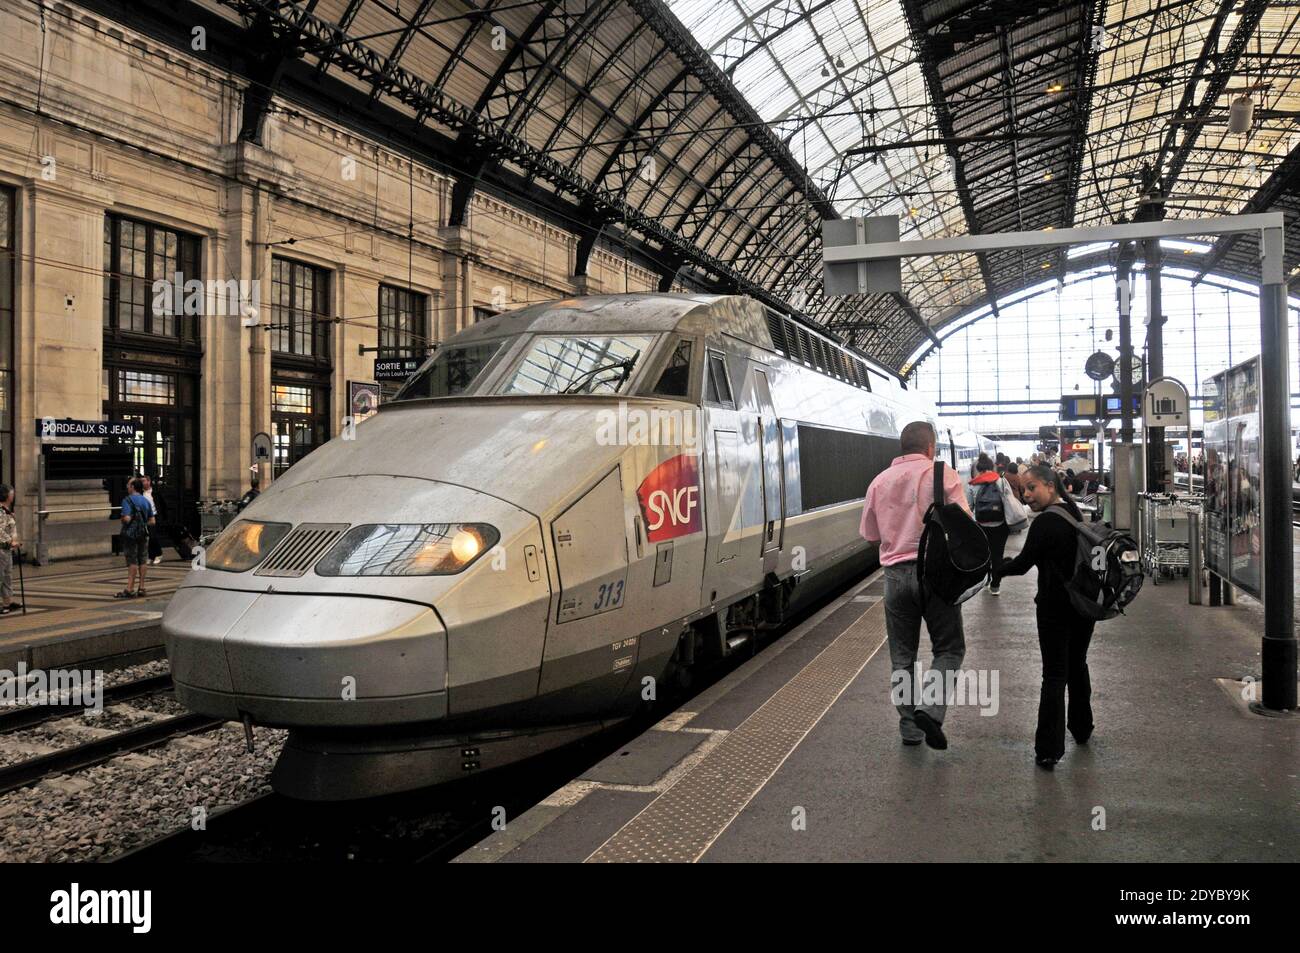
point(396, 368)
point(1234, 521)
point(50, 428)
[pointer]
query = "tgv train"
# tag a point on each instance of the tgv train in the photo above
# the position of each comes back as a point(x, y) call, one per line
point(565, 506)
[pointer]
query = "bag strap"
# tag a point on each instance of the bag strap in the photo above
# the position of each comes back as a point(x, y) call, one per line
point(1065, 514)
point(938, 483)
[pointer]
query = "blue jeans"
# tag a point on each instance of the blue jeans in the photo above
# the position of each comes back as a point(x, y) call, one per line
point(904, 611)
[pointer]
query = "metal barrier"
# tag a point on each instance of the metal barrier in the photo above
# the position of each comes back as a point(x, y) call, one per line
point(60, 531)
point(1194, 558)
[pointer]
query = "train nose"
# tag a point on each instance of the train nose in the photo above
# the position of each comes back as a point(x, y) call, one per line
point(285, 659)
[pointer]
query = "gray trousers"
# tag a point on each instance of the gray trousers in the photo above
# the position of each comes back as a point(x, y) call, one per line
point(904, 611)
point(6, 577)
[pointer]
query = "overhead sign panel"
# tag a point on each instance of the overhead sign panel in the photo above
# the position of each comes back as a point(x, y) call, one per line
point(880, 276)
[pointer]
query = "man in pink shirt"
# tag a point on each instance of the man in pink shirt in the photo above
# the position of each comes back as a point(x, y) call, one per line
point(892, 516)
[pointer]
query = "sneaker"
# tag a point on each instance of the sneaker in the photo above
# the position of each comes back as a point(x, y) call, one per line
point(995, 591)
point(1047, 764)
point(6, 610)
point(934, 735)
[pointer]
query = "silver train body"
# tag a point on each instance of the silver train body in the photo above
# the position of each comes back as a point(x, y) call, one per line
point(630, 534)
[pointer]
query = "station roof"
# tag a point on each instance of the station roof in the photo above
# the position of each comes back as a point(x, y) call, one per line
point(712, 137)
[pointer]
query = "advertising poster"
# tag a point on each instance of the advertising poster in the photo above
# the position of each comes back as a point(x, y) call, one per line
point(363, 399)
point(1234, 524)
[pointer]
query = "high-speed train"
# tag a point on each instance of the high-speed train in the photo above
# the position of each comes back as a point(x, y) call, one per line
point(565, 506)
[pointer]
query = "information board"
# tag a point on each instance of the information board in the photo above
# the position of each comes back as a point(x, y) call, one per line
point(1234, 519)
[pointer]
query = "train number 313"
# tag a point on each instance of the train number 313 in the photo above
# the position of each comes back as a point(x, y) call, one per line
point(609, 595)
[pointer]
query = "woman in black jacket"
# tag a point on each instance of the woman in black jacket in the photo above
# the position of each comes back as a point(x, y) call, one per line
point(1063, 634)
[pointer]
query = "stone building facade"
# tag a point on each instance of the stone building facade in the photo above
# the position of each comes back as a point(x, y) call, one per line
point(305, 258)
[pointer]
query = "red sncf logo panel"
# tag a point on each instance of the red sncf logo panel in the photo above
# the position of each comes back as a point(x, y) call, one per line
point(670, 499)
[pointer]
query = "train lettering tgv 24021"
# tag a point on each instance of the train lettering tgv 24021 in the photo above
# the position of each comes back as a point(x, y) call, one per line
point(365, 562)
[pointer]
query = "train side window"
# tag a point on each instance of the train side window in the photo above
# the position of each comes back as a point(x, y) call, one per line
point(675, 381)
point(718, 387)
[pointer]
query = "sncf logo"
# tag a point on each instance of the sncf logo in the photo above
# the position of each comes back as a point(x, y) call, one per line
point(670, 499)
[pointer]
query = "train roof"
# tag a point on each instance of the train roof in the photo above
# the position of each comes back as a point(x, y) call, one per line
point(645, 311)
point(738, 316)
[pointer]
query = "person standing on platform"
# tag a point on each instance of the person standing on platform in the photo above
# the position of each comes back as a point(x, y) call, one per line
point(1012, 475)
point(250, 496)
point(8, 544)
point(137, 517)
point(1063, 634)
point(989, 496)
point(892, 515)
point(155, 538)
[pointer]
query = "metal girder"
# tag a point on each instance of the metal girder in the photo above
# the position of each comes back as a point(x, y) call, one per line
point(1085, 75)
point(317, 37)
point(1285, 179)
point(1190, 114)
point(270, 56)
point(345, 21)
point(928, 59)
point(693, 57)
point(403, 41)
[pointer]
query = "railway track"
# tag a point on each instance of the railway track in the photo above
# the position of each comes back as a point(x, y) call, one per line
point(86, 754)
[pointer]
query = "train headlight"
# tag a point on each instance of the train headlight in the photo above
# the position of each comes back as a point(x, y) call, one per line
point(408, 549)
point(243, 545)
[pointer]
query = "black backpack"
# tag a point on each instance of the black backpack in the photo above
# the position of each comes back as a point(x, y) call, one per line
point(952, 561)
point(138, 528)
point(1107, 569)
point(988, 503)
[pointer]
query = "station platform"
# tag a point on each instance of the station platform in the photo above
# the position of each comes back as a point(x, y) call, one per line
point(796, 755)
point(72, 616)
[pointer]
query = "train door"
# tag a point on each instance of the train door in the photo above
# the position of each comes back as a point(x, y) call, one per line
point(773, 469)
point(723, 511)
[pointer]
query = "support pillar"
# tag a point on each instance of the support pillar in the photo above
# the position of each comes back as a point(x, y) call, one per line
point(1155, 461)
point(1278, 652)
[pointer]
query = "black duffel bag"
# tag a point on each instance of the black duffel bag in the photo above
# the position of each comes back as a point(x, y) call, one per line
point(952, 561)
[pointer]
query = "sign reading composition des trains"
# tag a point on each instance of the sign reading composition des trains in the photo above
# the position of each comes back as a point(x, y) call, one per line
point(48, 428)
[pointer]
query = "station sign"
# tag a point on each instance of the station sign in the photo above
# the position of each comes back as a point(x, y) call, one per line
point(1114, 405)
point(396, 368)
point(1080, 407)
point(87, 462)
point(1067, 433)
point(49, 428)
point(1165, 404)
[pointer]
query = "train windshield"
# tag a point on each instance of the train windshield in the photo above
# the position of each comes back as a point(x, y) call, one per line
point(578, 365)
point(451, 372)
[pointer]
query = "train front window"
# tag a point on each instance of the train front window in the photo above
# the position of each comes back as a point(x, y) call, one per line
point(675, 381)
point(578, 365)
point(450, 373)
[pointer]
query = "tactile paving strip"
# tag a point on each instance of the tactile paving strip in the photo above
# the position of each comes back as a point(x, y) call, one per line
point(681, 824)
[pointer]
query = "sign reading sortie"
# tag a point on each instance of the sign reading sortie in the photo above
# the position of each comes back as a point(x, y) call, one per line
point(48, 428)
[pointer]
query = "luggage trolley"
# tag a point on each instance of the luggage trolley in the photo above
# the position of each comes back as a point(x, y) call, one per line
point(214, 516)
point(1165, 521)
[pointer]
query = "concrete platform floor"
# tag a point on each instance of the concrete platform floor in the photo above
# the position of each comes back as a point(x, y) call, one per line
point(1178, 769)
point(72, 615)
